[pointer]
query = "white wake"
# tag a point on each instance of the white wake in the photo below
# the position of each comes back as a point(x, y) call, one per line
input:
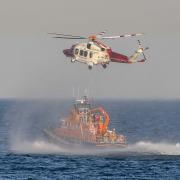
point(140, 148)
point(157, 148)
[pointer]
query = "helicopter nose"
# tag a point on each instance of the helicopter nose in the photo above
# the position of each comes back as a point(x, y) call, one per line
point(67, 52)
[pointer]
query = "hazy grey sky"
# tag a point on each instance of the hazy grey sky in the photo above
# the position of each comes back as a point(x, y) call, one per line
point(32, 63)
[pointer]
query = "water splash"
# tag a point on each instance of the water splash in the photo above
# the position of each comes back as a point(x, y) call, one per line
point(158, 148)
point(139, 148)
point(36, 147)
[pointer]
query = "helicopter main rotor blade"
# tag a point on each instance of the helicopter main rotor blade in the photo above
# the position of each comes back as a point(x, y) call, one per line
point(66, 35)
point(121, 36)
point(70, 37)
point(100, 34)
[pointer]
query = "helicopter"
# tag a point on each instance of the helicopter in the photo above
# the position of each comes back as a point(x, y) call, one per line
point(94, 51)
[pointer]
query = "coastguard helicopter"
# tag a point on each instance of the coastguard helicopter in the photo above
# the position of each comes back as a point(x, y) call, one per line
point(95, 52)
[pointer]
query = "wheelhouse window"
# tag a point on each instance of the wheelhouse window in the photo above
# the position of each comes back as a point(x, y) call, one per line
point(76, 51)
point(81, 52)
point(85, 53)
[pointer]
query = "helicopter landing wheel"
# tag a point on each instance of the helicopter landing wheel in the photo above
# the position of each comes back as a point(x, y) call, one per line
point(104, 66)
point(73, 60)
point(89, 67)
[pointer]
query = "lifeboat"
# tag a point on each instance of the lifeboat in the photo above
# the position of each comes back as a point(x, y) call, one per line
point(86, 125)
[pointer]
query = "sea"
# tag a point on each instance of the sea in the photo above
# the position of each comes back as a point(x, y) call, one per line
point(152, 129)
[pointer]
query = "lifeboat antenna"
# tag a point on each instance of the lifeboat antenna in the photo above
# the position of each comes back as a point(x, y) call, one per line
point(78, 92)
point(73, 92)
point(86, 92)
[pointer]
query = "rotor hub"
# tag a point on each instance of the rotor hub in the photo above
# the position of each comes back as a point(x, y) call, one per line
point(92, 37)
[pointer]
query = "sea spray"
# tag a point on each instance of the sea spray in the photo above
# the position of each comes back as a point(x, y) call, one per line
point(139, 148)
point(27, 118)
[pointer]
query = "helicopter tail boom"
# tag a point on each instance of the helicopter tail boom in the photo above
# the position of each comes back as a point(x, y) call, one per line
point(116, 57)
point(134, 57)
point(120, 58)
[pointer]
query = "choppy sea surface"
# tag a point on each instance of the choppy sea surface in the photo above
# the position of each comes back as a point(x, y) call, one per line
point(152, 129)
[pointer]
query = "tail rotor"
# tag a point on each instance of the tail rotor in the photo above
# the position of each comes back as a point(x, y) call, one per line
point(142, 49)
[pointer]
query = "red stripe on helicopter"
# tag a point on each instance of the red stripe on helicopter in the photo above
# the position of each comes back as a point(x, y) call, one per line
point(101, 44)
point(116, 57)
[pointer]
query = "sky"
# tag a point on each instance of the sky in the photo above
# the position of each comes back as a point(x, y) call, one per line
point(32, 64)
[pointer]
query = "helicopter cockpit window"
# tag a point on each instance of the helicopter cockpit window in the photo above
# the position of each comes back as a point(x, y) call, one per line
point(76, 51)
point(90, 54)
point(85, 53)
point(81, 52)
point(89, 46)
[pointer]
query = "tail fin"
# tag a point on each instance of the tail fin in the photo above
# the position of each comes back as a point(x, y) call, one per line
point(139, 51)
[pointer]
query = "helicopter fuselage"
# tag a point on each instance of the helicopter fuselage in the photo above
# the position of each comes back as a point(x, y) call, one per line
point(91, 53)
point(95, 52)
